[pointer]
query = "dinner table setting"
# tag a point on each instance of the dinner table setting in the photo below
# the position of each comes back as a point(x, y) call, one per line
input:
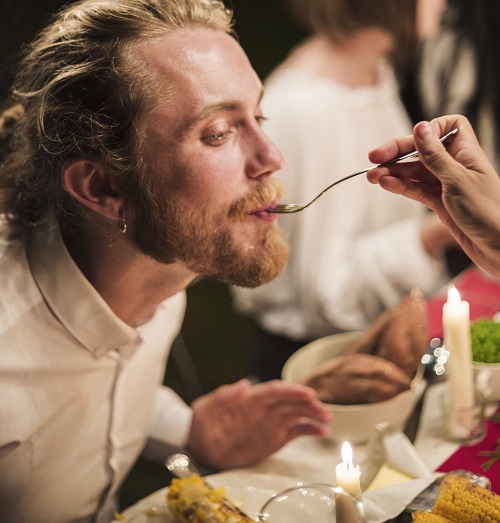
point(379, 465)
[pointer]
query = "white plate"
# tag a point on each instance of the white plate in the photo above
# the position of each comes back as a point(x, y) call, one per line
point(250, 490)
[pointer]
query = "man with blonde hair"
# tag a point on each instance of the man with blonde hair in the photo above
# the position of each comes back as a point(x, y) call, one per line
point(133, 163)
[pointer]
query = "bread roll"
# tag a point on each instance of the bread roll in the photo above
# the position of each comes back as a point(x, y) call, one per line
point(358, 378)
point(368, 342)
point(406, 338)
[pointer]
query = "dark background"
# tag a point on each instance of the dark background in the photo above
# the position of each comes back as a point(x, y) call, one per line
point(217, 341)
point(265, 31)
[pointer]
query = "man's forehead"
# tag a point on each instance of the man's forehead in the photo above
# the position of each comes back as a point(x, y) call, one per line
point(191, 48)
point(202, 70)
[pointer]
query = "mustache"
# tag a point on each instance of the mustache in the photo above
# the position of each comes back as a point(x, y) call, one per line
point(271, 191)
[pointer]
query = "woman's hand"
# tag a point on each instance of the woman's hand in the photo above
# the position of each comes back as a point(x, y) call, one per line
point(457, 182)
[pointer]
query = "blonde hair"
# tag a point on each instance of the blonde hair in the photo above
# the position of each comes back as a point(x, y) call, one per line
point(83, 93)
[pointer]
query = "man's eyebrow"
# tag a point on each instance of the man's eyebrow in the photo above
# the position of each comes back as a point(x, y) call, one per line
point(226, 106)
point(214, 108)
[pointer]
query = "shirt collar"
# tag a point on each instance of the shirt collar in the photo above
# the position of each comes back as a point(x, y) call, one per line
point(71, 297)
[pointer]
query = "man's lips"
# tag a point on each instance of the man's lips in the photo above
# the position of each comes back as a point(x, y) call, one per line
point(264, 208)
point(262, 211)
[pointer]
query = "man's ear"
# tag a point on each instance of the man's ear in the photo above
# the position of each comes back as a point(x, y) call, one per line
point(87, 182)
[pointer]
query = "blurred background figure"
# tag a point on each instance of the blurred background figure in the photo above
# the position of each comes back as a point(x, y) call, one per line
point(458, 71)
point(356, 251)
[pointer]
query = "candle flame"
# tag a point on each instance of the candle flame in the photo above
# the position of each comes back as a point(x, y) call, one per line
point(346, 453)
point(453, 295)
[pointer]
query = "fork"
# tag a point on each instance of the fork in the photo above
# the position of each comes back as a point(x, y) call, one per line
point(286, 208)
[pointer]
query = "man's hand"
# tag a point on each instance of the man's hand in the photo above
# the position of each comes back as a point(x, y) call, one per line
point(238, 424)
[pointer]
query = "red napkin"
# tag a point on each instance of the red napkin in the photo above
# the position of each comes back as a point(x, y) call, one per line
point(475, 286)
point(466, 458)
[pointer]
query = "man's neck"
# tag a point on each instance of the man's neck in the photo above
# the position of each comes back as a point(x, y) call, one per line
point(131, 283)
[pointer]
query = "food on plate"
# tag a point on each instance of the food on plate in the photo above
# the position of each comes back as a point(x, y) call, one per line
point(400, 334)
point(459, 500)
point(192, 500)
point(462, 501)
point(358, 378)
point(485, 341)
point(420, 516)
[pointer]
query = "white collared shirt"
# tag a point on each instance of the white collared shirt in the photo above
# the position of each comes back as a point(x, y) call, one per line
point(80, 390)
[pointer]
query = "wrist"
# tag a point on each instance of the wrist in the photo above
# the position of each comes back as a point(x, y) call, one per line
point(435, 236)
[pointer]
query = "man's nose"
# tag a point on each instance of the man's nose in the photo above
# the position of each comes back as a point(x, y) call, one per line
point(267, 157)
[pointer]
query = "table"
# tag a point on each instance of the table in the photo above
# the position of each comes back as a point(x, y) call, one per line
point(310, 459)
point(441, 454)
point(315, 460)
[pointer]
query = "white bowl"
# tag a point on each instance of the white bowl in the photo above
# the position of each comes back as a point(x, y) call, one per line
point(487, 380)
point(487, 375)
point(353, 423)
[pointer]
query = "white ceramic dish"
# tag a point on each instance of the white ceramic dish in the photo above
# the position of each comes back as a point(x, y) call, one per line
point(249, 489)
point(487, 380)
point(354, 423)
point(487, 377)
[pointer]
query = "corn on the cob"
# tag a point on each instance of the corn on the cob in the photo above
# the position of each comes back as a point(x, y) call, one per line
point(420, 516)
point(465, 502)
point(192, 500)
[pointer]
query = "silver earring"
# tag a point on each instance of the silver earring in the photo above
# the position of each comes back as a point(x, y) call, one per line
point(122, 225)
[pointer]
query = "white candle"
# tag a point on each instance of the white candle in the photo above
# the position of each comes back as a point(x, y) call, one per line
point(456, 327)
point(347, 475)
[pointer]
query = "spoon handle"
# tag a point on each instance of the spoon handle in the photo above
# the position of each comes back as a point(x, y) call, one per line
point(181, 466)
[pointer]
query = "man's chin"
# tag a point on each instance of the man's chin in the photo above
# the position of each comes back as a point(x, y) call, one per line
point(262, 267)
point(239, 259)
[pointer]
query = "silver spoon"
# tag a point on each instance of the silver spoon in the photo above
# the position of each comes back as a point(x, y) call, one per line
point(286, 208)
point(182, 467)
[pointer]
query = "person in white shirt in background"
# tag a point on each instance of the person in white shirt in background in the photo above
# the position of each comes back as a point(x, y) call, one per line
point(356, 251)
point(132, 161)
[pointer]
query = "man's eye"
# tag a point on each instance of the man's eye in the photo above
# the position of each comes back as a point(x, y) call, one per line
point(260, 119)
point(216, 138)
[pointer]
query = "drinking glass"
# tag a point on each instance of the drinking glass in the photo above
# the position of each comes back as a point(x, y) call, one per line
point(314, 503)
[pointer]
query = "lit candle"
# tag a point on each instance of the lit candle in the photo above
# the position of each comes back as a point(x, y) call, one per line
point(347, 474)
point(456, 327)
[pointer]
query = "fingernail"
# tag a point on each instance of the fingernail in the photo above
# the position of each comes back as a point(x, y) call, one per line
point(234, 389)
point(424, 130)
point(243, 382)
